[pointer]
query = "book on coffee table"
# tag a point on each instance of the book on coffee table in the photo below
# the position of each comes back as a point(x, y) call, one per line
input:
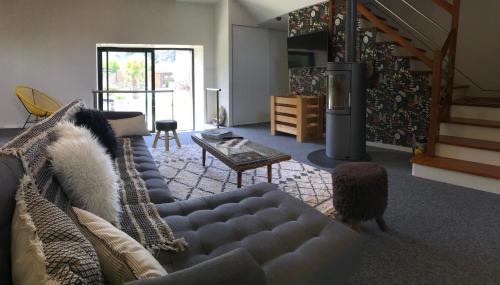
point(216, 134)
point(247, 157)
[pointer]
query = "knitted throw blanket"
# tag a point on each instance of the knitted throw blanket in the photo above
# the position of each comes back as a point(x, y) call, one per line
point(139, 217)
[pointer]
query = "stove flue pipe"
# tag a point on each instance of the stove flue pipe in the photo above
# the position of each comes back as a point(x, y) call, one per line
point(351, 25)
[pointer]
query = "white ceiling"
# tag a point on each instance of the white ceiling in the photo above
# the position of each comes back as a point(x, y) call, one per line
point(200, 1)
point(265, 10)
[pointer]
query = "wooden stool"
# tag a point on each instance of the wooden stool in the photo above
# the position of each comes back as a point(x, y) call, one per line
point(360, 193)
point(166, 126)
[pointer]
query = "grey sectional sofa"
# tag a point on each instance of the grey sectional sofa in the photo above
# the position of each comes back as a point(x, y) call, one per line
point(255, 235)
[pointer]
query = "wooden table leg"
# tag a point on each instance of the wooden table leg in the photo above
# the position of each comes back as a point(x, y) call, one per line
point(356, 225)
point(177, 141)
point(381, 224)
point(239, 179)
point(167, 141)
point(158, 135)
point(270, 173)
point(203, 156)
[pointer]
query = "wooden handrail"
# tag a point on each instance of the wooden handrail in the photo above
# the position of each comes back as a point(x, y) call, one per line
point(445, 5)
point(435, 98)
point(396, 36)
point(447, 43)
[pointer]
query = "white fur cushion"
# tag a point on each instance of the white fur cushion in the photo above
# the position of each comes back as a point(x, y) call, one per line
point(85, 171)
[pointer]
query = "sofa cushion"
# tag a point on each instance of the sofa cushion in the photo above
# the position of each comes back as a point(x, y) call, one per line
point(95, 121)
point(10, 173)
point(122, 258)
point(47, 247)
point(135, 126)
point(146, 166)
point(292, 242)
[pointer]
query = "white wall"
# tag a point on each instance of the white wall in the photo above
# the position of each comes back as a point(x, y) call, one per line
point(51, 44)
point(278, 63)
point(228, 14)
point(259, 70)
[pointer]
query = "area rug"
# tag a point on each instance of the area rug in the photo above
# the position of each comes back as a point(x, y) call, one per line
point(187, 178)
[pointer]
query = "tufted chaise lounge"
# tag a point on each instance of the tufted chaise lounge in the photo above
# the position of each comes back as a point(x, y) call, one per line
point(254, 235)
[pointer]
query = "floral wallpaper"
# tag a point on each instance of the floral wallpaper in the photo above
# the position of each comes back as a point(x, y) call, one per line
point(307, 81)
point(398, 99)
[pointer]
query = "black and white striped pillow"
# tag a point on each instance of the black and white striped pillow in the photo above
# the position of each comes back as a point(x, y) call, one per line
point(47, 246)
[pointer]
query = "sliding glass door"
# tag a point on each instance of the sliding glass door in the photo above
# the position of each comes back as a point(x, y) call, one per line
point(130, 74)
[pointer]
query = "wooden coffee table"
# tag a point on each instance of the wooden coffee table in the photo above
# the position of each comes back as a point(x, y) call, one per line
point(232, 155)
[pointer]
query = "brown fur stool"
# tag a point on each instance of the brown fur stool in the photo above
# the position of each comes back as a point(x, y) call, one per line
point(360, 193)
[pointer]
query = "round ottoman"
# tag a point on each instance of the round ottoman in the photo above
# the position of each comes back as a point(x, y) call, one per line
point(166, 126)
point(360, 193)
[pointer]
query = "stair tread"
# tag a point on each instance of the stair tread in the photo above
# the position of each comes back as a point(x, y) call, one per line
point(474, 122)
point(478, 101)
point(378, 16)
point(461, 86)
point(398, 44)
point(474, 168)
point(378, 29)
point(472, 143)
point(407, 56)
point(421, 71)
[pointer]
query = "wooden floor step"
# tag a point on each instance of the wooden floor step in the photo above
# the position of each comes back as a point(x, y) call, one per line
point(478, 101)
point(474, 168)
point(472, 143)
point(461, 86)
point(474, 122)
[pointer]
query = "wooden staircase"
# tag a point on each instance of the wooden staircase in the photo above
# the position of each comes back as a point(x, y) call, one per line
point(467, 151)
point(464, 132)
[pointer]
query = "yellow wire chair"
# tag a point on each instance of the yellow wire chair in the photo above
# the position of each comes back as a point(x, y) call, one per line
point(37, 103)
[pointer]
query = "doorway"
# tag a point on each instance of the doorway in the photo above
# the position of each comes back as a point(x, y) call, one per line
point(136, 71)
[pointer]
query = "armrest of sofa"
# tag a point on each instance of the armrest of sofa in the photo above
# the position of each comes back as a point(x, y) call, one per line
point(236, 267)
point(115, 115)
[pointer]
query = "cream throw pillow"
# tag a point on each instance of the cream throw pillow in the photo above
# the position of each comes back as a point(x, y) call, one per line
point(122, 258)
point(135, 126)
point(86, 171)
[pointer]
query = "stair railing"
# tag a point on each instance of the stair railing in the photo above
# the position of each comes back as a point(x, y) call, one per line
point(442, 66)
point(443, 74)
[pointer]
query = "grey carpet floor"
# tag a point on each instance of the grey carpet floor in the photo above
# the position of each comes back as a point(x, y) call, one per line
point(440, 233)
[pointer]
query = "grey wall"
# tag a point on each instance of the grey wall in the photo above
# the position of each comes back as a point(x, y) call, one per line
point(51, 44)
point(478, 42)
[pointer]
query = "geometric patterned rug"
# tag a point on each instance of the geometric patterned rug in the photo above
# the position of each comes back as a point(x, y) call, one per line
point(187, 178)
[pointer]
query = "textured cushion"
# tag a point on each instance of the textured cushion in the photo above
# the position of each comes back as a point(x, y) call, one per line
point(135, 126)
point(292, 242)
point(122, 258)
point(166, 125)
point(47, 246)
point(95, 121)
point(86, 173)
